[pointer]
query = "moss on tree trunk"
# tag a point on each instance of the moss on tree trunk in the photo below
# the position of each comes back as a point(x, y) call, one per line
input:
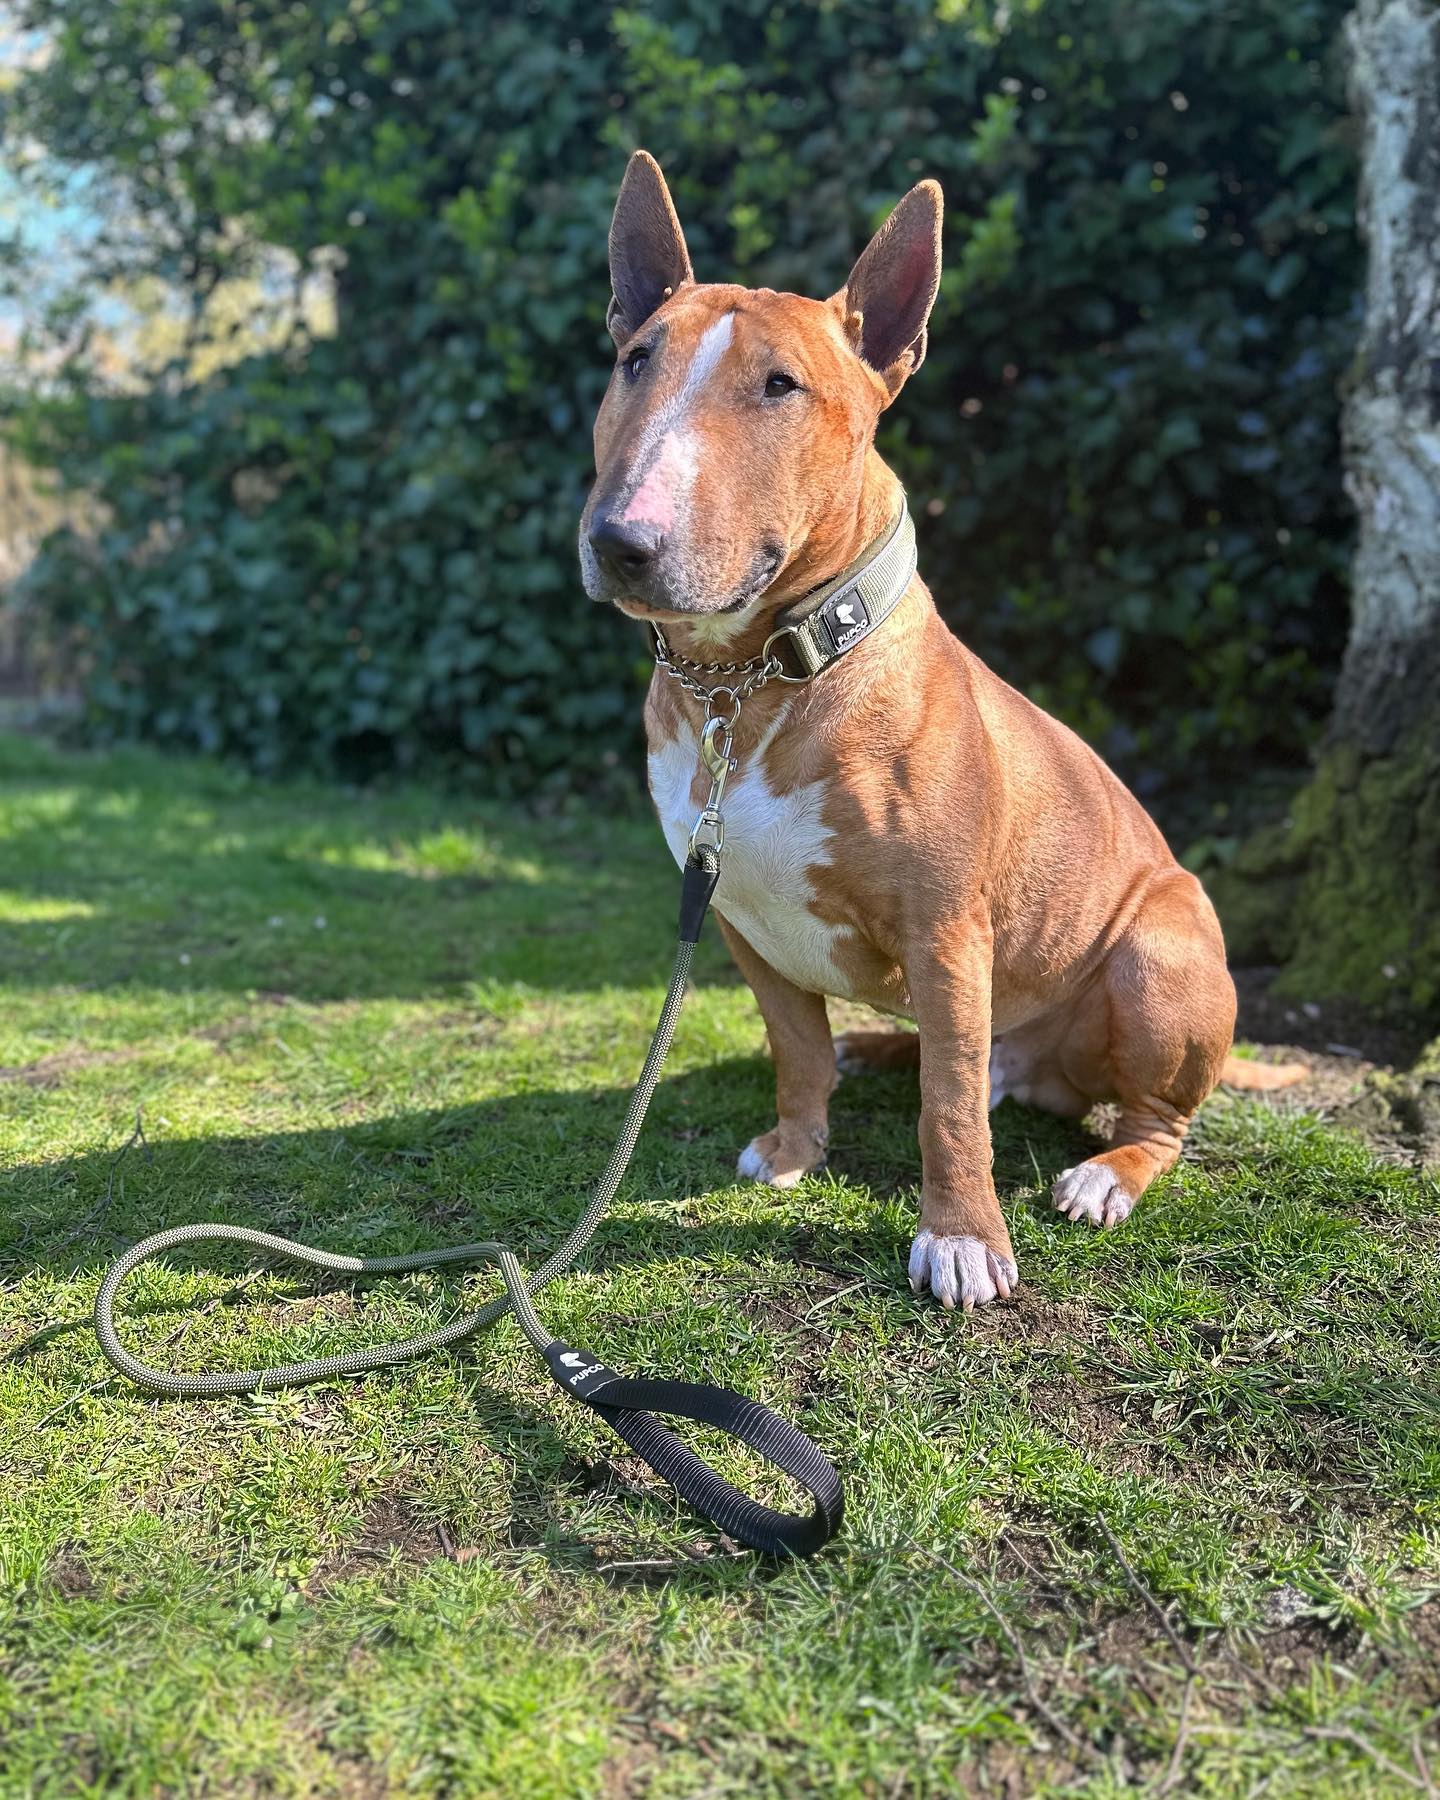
point(1348, 897)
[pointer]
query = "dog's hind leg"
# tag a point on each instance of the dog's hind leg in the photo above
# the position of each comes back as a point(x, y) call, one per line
point(857, 1052)
point(1170, 1019)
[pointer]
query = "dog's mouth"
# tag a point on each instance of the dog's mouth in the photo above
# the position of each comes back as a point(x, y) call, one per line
point(767, 566)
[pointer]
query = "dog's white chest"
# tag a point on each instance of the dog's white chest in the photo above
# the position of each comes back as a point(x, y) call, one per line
point(772, 842)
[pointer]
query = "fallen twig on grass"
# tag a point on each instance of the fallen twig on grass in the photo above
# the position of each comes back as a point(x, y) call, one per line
point(1249, 1675)
point(1422, 1765)
point(1148, 1599)
point(1182, 1737)
point(1182, 1650)
point(672, 1562)
point(1321, 1733)
point(1051, 1718)
point(93, 1387)
point(1346, 1734)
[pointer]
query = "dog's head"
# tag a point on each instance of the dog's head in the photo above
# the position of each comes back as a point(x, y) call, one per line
point(731, 442)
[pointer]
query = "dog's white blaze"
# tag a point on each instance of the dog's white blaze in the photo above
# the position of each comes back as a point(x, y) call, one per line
point(712, 346)
point(664, 461)
point(771, 841)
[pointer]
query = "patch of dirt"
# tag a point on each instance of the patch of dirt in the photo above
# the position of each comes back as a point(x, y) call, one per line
point(1084, 1420)
point(1284, 1656)
point(357, 1780)
point(50, 1071)
point(1317, 1026)
point(1398, 1115)
point(480, 1028)
point(392, 1523)
point(1003, 1772)
point(69, 1574)
point(1070, 1632)
point(1040, 1322)
point(1071, 1635)
point(1351, 1055)
point(785, 1310)
point(1331, 1083)
point(229, 1031)
point(626, 1770)
point(1277, 1657)
point(1421, 1672)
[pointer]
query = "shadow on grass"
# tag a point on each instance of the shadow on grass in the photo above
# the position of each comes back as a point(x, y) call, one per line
point(516, 1167)
point(410, 1181)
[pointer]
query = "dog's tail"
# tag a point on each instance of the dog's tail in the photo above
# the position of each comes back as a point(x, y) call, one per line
point(1258, 1077)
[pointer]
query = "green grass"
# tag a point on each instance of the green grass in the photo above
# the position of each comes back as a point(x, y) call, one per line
point(386, 1022)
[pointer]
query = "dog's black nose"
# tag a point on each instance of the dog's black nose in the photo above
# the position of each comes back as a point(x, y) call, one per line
point(626, 547)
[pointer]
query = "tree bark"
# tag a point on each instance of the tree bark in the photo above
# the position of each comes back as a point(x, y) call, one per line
point(1347, 896)
point(1392, 414)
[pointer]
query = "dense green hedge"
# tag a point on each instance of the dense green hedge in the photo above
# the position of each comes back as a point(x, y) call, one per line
point(1122, 450)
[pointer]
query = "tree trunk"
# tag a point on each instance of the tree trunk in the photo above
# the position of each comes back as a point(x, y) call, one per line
point(1392, 416)
point(1347, 897)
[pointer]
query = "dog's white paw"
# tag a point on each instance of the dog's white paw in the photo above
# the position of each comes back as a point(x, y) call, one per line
point(755, 1165)
point(960, 1269)
point(1091, 1191)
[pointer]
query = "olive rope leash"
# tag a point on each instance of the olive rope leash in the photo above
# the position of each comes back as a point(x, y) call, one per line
point(627, 1405)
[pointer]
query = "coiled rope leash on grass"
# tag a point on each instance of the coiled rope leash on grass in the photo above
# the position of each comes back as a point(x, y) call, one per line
point(626, 1405)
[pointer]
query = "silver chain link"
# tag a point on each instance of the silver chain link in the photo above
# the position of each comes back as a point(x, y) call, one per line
point(753, 674)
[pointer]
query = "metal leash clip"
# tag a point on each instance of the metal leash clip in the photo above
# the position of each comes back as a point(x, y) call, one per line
point(716, 741)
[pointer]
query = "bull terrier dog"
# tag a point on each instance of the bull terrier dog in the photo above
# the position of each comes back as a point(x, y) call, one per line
point(902, 828)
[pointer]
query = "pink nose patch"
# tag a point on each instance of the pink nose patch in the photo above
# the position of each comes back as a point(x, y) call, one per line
point(653, 502)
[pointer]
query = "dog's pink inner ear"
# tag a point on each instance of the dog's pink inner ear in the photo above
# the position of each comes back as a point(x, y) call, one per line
point(894, 284)
point(648, 258)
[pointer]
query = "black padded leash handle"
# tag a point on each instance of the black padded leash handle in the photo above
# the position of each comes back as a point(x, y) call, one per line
point(627, 1406)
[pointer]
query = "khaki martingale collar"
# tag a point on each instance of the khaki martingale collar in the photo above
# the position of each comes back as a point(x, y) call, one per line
point(825, 624)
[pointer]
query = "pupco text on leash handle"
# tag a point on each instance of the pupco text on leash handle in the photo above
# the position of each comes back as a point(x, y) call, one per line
point(627, 1404)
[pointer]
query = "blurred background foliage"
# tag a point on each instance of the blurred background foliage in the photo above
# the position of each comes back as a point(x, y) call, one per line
point(350, 544)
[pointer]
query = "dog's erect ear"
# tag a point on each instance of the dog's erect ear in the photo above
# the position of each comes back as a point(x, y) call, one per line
point(886, 301)
point(648, 258)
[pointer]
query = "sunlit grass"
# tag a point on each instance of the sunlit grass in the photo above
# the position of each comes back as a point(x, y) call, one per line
point(385, 1021)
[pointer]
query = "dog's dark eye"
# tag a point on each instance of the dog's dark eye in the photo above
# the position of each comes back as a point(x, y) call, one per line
point(778, 383)
point(635, 362)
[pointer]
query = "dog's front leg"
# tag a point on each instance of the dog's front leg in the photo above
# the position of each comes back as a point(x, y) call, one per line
point(962, 1251)
point(799, 1033)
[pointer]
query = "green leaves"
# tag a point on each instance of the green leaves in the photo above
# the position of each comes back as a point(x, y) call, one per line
point(359, 553)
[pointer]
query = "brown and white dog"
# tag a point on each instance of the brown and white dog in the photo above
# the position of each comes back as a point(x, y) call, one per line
point(906, 830)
